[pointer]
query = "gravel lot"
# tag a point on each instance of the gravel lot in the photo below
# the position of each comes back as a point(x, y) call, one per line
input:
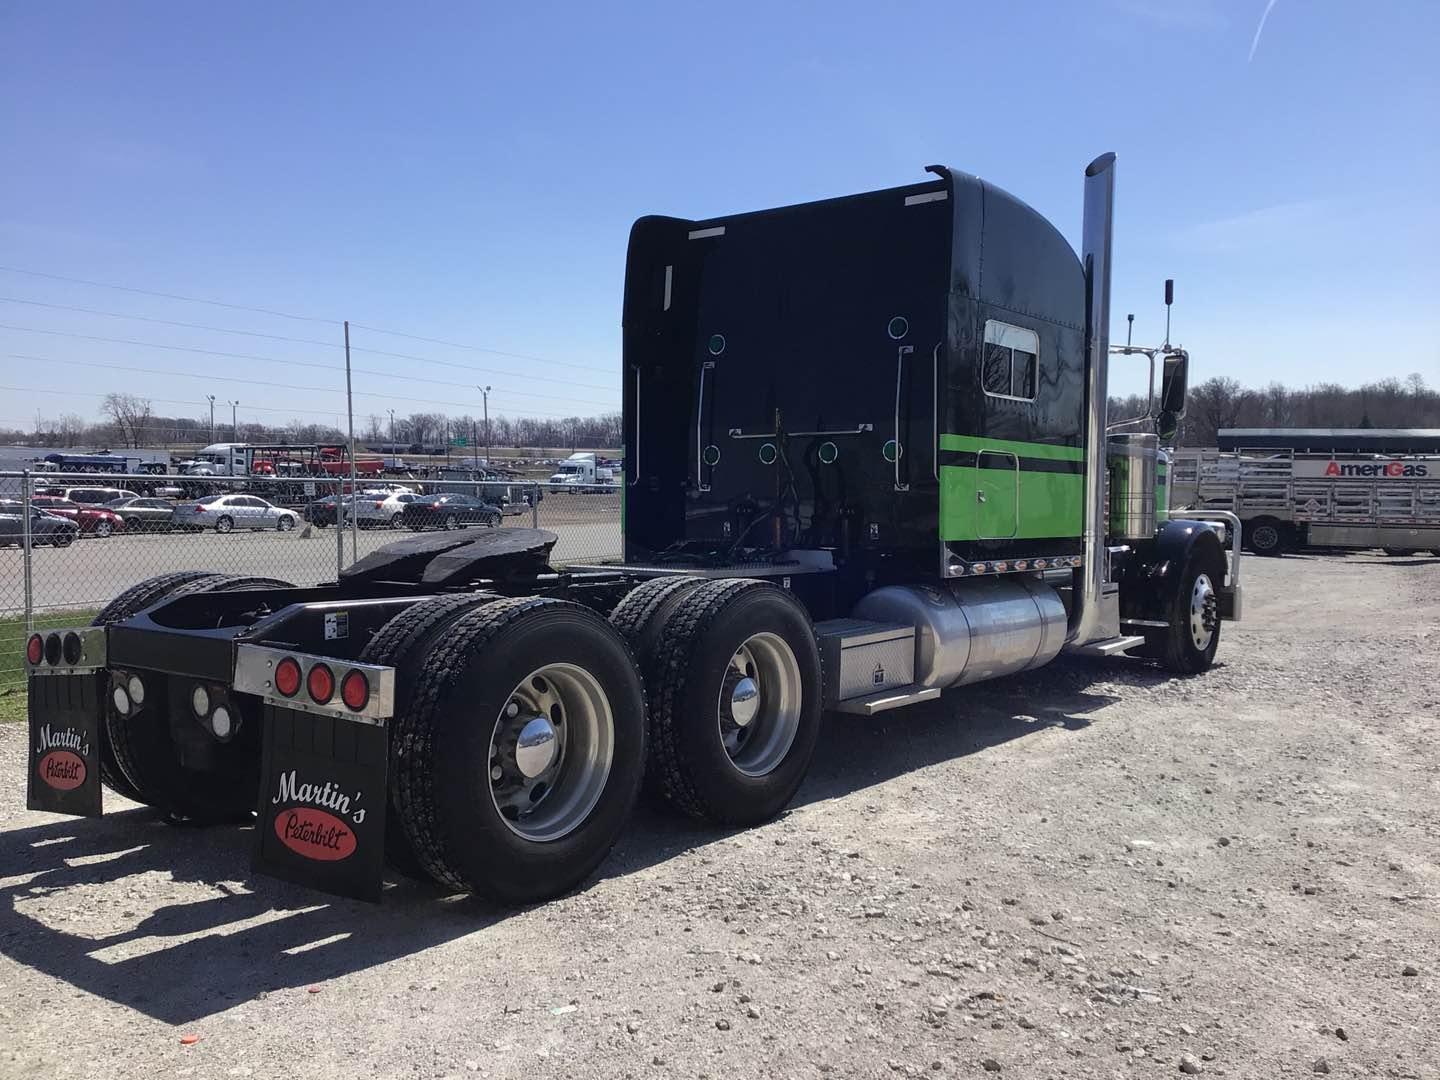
point(1091, 871)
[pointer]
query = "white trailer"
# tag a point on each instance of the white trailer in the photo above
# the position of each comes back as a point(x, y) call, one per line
point(1288, 499)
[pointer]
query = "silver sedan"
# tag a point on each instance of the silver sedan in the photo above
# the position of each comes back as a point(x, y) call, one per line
point(226, 513)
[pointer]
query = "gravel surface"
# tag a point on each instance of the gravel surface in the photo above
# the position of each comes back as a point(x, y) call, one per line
point(1090, 871)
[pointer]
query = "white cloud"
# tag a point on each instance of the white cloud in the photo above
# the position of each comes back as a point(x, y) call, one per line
point(1285, 224)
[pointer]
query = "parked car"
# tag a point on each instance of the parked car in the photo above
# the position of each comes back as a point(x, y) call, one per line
point(142, 515)
point(383, 508)
point(226, 513)
point(91, 520)
point(449, 512)
point(372, 509)
point(97, 496)
point(45, 528)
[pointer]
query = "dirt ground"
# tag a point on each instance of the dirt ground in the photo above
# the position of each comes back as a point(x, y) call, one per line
point(1090, 871)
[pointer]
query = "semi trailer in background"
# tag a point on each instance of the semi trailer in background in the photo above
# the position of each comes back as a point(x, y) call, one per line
point(1319, 487)
point(867, 460)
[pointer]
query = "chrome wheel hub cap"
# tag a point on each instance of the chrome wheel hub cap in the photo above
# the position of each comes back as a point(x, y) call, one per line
point(759, 706)
point(536, 747)
point(744, 701)
point(551, 750)
point(1204, 608)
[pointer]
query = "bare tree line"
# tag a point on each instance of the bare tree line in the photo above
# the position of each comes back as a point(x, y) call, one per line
point(1224, 403)
point(129, 421)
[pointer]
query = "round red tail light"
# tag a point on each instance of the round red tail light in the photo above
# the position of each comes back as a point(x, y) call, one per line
point(35, 649)
point(321, 684)
point(287, 677)
point(355, 690)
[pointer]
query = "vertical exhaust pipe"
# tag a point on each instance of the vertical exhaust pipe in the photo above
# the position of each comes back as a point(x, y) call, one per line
point(1087, 619)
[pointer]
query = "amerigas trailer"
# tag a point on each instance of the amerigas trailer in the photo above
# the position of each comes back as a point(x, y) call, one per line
point(1287, 499)
point(866, 461)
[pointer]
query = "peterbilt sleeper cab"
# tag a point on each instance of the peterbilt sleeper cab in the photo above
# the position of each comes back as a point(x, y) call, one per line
point(867, 460)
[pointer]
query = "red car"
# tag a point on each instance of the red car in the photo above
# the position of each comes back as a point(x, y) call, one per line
point(93, 520)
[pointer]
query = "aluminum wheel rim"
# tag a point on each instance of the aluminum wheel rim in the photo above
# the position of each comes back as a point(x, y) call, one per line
point(554, 801)
point(757, 747)
point(1202, 612)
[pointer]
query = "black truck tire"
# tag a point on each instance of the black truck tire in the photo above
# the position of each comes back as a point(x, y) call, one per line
point(720, 750)
point(457, 762)
point(1267, 536)
point(144, 753)
point(401, 644)
point(641, 615)
point(130, 602)
point(1187, 646)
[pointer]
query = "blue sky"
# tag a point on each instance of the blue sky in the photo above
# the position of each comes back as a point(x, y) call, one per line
point(468, 172)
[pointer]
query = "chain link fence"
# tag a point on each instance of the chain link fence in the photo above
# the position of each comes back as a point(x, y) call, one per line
point(69, 543)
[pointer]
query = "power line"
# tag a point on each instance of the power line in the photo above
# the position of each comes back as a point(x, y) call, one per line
point(472, 348)
point(169, 296)
point(250, 382)
point(162, 401)
point(281, 360)
point(289, 315)
point(301, 341)
point(302, 363)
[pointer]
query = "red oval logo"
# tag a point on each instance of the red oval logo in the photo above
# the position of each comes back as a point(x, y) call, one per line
point(62, 770)
point(315, 834)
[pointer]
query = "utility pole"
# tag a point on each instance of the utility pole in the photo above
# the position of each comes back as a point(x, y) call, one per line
point(392, 430)
point(354, 487)
point(485, 390)
point(212, 416)
point(234, 423)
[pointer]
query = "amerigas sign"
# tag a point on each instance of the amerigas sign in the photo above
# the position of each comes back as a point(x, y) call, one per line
point(1369, 469)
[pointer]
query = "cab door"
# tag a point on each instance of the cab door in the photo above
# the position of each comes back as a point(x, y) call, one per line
point(997, 495)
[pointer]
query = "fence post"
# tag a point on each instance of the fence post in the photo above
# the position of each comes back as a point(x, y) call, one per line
point(29, 546)
point(535, 507)
point(339, 528)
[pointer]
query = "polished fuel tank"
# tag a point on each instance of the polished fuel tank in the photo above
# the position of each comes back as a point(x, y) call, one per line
point(1133, 460)
point(981, 628)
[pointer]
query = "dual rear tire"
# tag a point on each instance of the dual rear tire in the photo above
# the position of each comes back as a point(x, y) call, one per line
point(519, 751)
point(523, 735)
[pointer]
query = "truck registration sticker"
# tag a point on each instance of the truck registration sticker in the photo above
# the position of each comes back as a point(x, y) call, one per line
point(337, 626)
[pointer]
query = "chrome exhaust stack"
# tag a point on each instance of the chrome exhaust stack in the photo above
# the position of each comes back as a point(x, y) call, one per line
point(1095, 609)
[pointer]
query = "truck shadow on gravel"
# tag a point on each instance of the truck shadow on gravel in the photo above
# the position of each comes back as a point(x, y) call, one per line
point(222, 936)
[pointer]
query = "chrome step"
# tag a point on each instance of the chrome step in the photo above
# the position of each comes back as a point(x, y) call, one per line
point(1108, 647)
point(871, 704)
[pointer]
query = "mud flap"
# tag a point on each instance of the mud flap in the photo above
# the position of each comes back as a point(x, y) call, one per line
point(64, 757)
point(321, 813)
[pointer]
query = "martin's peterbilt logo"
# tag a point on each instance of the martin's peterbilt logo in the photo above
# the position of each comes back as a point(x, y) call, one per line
point(62, 758)
point(1394, 470)
point(311, 831)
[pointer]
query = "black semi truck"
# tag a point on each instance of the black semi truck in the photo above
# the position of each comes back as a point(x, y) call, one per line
point(867, 460)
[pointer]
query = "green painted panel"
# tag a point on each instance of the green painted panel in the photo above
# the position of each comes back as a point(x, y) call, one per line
point(997, 497)
point(974, 444)
point(1050, 504)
